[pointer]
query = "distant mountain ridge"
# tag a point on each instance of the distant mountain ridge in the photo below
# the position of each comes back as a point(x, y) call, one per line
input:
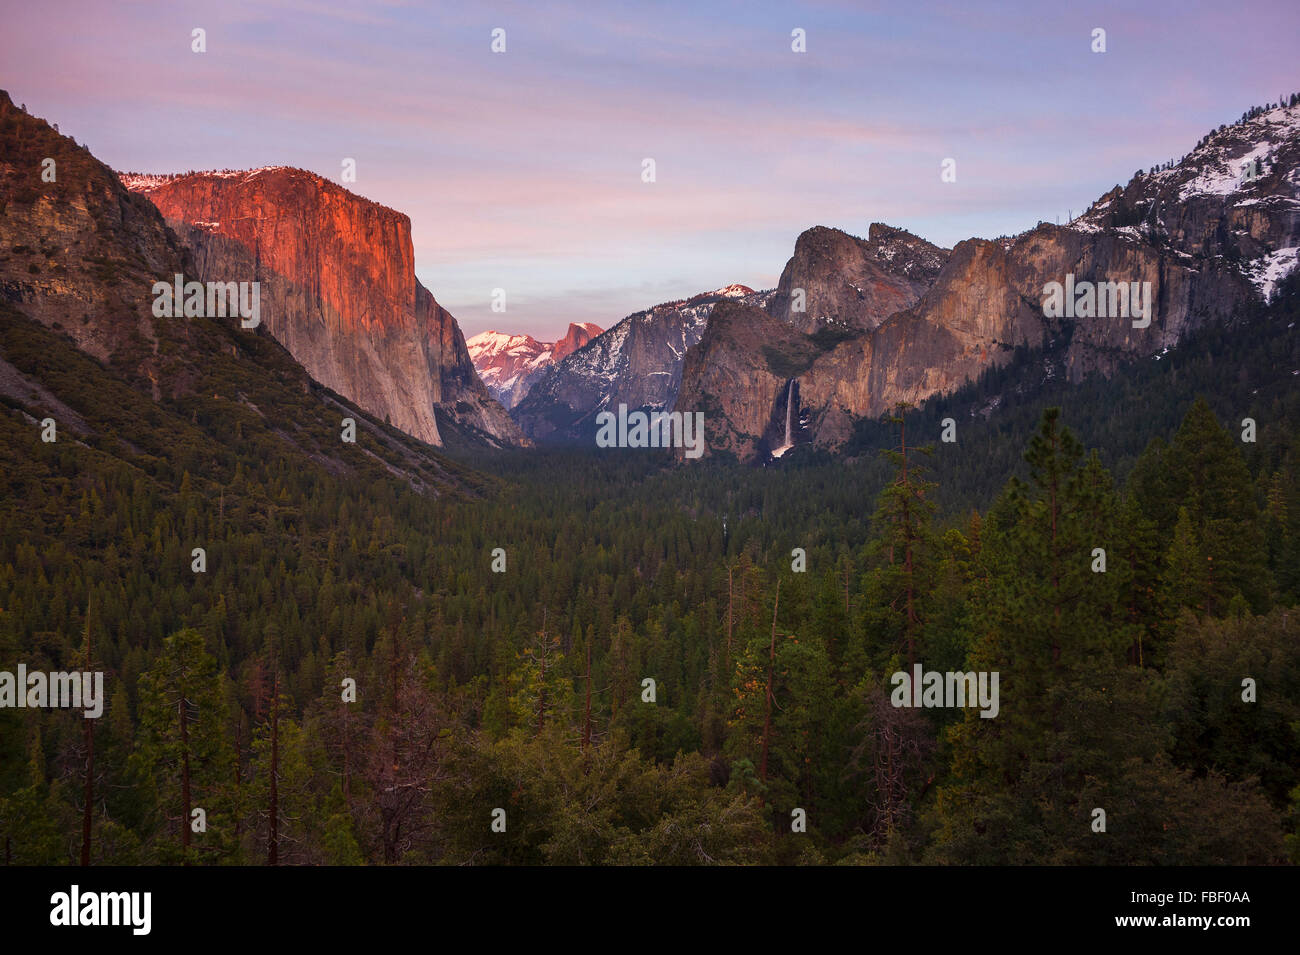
point(637, 362)
point(508, 365)
point(853, 327)
point(1212, 235)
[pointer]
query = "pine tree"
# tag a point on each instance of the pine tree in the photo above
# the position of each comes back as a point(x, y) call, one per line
point(1049, 623)
point(182, 743)
point(1137, 569)
point(1204, 472)
point(904, 548)
point(1184, 582)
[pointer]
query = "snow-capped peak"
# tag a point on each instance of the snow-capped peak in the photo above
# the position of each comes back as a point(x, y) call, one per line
point(509, 363)
point(733, 291)
point(492, 343)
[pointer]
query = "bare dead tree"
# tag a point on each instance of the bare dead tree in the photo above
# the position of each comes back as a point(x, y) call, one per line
point(894, 746)
point(403, 774)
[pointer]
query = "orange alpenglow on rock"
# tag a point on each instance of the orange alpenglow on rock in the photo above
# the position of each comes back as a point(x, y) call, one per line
point(339, 291)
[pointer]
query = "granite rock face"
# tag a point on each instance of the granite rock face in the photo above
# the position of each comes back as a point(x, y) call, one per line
point(509, 365)
point(1207, 238)
point(80, 254)
point(338, 290)
point(574, 338)
point(851, 285)
point(738, 376)
point(638, 362)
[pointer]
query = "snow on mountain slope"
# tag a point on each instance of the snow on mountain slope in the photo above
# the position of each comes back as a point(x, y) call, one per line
point(509, 364)
point(1233, 200)
point(638, 362)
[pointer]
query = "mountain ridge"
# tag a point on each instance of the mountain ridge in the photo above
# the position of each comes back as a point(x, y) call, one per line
point(1204, 243)
point(636, 362)
point(508, 364)
point(139, 392)
point(339, 290)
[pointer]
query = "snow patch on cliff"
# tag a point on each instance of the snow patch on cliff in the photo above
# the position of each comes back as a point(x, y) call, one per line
point(1268, 270)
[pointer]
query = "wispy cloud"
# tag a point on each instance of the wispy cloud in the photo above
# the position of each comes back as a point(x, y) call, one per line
point(522, 170)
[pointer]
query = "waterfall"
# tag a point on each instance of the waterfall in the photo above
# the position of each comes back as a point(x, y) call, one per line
point(789, 411)
point(789, 421)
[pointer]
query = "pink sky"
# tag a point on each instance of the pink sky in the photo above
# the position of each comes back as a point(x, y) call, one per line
point(522, 170)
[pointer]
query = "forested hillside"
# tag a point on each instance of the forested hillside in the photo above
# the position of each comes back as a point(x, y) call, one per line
point(516, 681)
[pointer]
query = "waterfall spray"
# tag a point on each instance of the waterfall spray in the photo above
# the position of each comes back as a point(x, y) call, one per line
point(789, 412)
point(789, 421)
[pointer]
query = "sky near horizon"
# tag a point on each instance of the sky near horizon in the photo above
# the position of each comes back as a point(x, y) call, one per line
point(522, 170)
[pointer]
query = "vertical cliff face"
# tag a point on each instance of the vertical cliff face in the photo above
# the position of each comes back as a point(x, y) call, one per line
point(850, 285)
point(1209, 237)
point(574, 338)
point(638, 362)
point(338, 290)
point(986, 301)
point(80, 255)
point(738, 377)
